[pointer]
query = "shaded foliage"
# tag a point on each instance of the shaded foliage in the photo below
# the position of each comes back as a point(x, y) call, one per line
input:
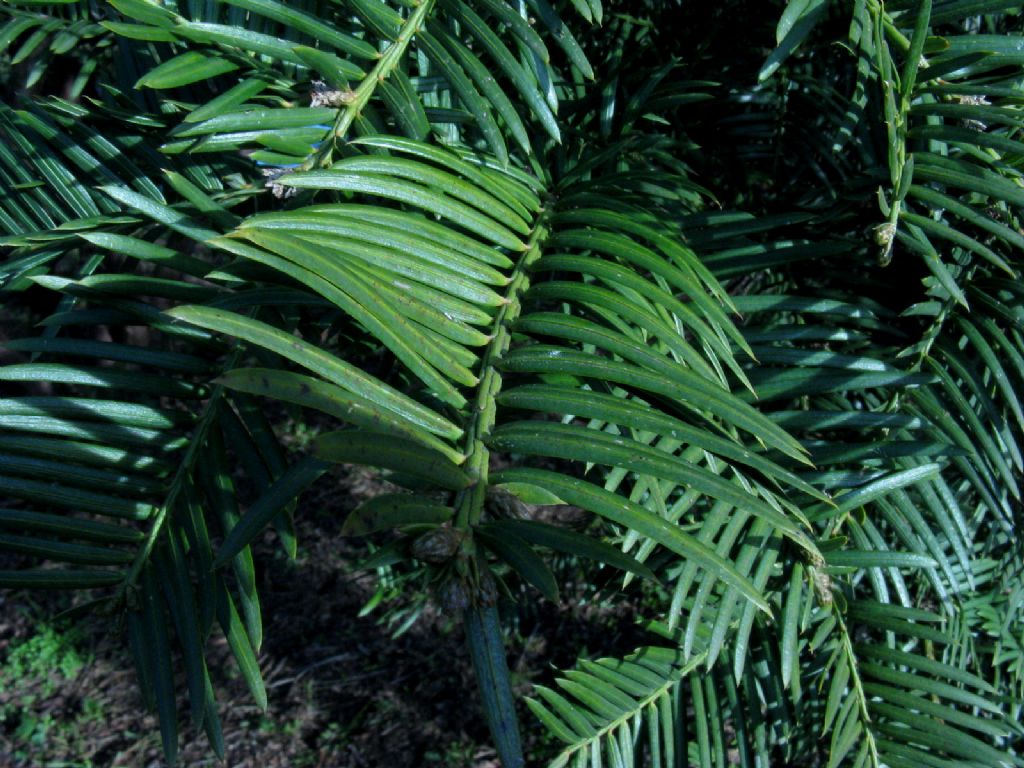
point(739, 282)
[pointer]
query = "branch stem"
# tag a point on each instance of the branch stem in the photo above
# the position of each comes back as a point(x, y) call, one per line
point(385, 65)
point(469, 506)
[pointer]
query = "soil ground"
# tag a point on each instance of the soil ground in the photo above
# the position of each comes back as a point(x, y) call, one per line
point(343, 692)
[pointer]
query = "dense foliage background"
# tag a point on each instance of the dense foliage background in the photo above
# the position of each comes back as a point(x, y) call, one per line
point(701, 321)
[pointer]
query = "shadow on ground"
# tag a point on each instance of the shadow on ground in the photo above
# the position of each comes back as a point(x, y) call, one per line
point(343, 693)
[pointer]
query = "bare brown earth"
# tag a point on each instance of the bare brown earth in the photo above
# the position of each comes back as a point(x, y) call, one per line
point(343, 692)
